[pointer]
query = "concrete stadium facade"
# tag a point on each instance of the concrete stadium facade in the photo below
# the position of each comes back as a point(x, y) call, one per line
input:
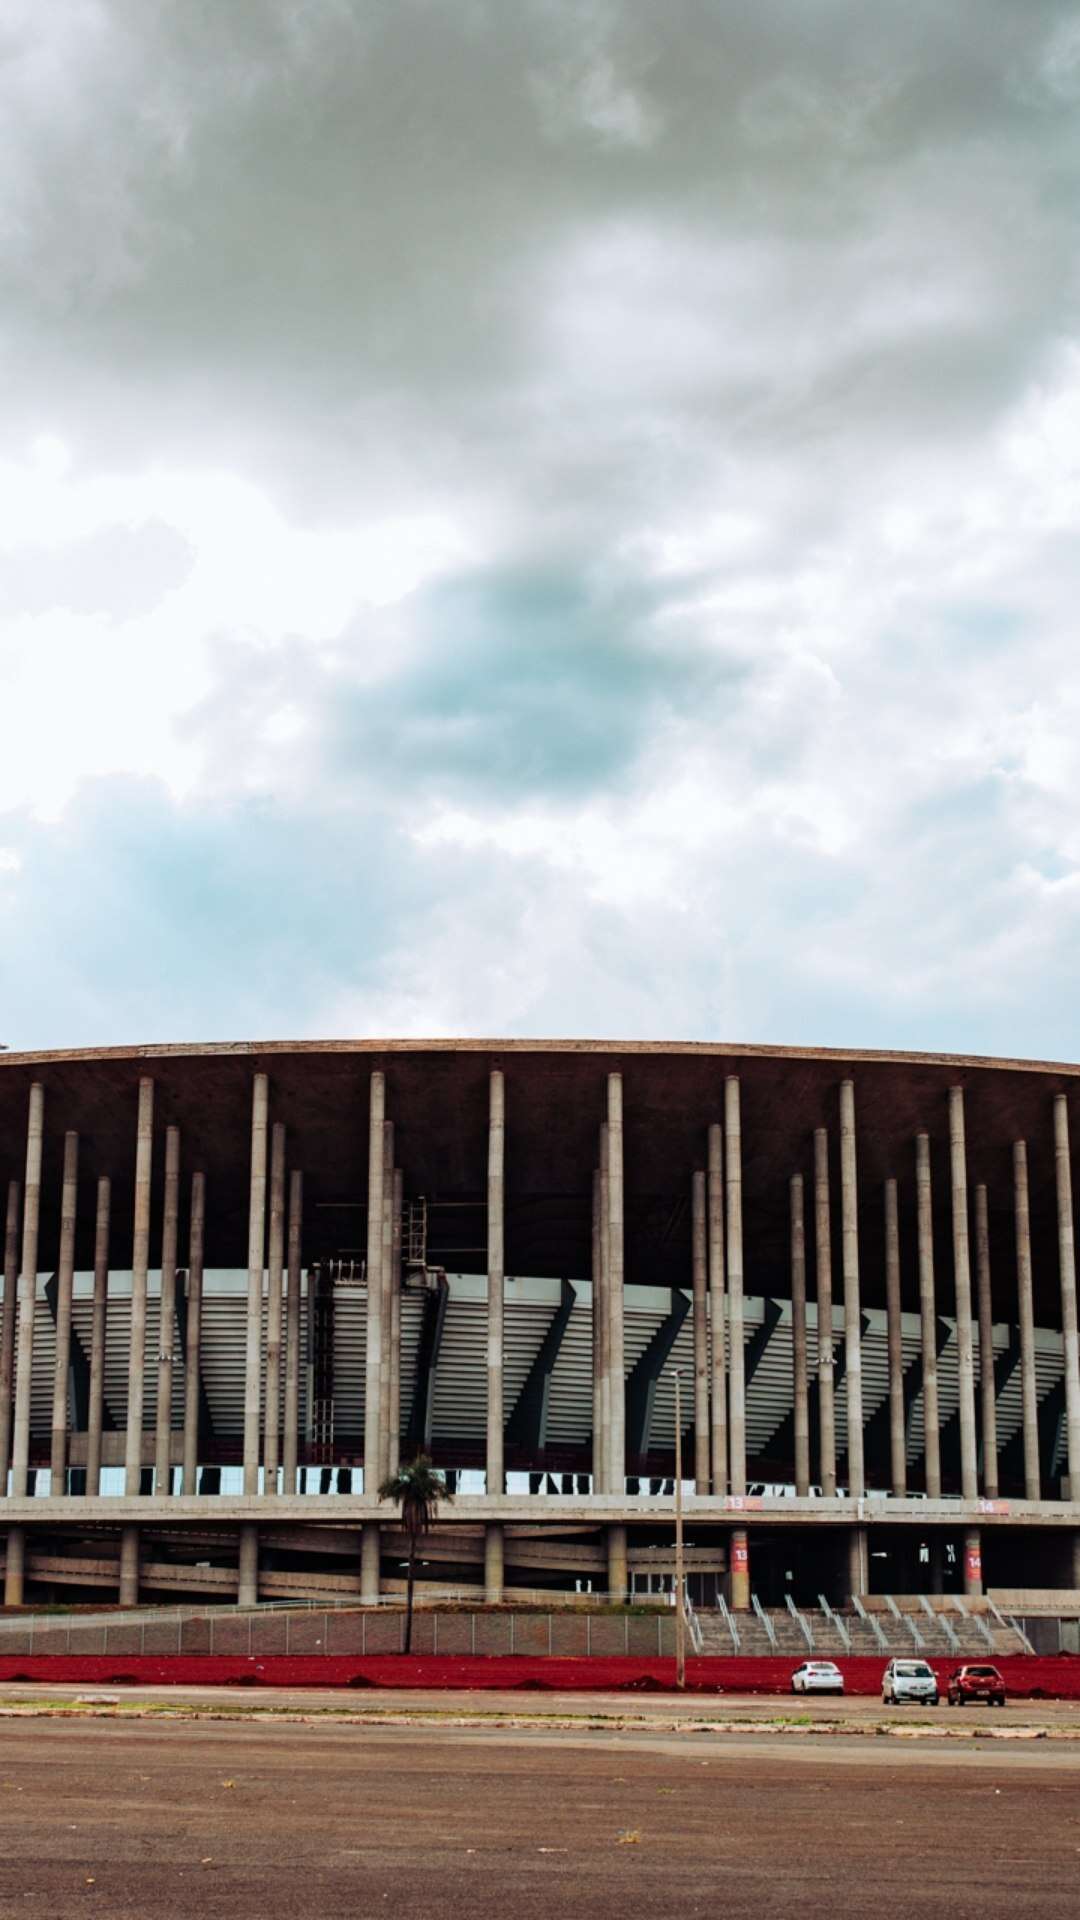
point(241, 1283)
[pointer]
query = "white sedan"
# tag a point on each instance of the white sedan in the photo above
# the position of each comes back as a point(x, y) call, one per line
point(817, 1676)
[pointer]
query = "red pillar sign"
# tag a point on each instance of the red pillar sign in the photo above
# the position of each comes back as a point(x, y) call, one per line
point(973, 1564)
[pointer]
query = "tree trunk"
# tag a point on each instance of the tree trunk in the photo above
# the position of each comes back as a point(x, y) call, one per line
point(409, 1593)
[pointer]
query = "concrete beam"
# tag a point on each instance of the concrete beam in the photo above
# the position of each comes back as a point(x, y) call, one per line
point(526, 1428)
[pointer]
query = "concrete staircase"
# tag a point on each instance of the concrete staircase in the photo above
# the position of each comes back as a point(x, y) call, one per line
point(943, 1632)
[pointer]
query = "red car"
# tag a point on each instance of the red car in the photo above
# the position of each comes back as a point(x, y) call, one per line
point(970, 1684)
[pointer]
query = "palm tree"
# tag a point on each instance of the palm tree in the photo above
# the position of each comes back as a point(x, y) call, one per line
point(418, 1488)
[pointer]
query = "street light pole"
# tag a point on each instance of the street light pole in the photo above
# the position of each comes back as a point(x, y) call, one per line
point(680, 1582)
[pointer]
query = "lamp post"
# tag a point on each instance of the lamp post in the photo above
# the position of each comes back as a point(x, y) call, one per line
point(680, 1614)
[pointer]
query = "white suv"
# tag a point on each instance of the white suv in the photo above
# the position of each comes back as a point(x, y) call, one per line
point(909, 1680)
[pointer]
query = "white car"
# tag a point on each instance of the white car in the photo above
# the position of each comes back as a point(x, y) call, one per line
point(817, 1676)
point(909, 1680)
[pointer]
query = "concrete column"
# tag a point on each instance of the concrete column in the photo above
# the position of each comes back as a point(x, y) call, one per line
point(599, 1321)
point(987, 1396)
point(737, 1353)
point(800, 1385)
point(369, 1564)
point(616, 1273)
point(605, 1301)
point(969, 1469)
point(7, 1327)
point(170, 1236)
point(973, 1577)
point(193, 1331)
point(260, 1105)
point(15, 1567)
point(740, 1571)
point(858, 1562)
point(928, 1316)
point(128, 1595)
point(373, 1359)
point(98, 1331)
point(849, 1216)
point(247, 1586)
point(897, 1435)
point(20, 1445)
point(717, 1309)
point(494, 1570)
point(496, 1262)
point(394, 1454)
point(701, 1331)
point(387, 1314)
point(65, 1280)
point(1067, 1259)
point(275, 1264)
point(823, 1277)
point(618, 1571)
point(140, 1264)
point(1029, 1398)
point(291, 1441)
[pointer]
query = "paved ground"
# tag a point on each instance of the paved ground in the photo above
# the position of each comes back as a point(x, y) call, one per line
point(1058, 1717)
point(175, 1818)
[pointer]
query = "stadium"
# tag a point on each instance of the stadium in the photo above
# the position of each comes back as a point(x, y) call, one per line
point(243, 1282)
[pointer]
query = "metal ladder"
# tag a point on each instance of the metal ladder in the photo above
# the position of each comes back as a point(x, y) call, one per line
point(835, 1620)
point(804, 1624)
point(765, 1621)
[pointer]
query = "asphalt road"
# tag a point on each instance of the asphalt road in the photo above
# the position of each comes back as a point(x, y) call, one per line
point(182, 1818)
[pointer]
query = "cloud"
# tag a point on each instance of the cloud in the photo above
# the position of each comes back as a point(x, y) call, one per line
point(555, 517)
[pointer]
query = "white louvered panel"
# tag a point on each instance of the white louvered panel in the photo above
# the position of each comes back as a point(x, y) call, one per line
point(770, 1393)
point(222, 1360)
point(1008, 1411)
point(460, 1400)
point(570, 1387)
point(41, 1388)
point(525, 1325)
point(412, 1320)
point(681, 1357)
point(350, 1360)
point(1049, 1368)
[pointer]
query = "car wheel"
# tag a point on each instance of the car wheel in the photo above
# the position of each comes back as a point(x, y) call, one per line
point(794, 1688)
point(935, 1699)
point(1000, 1700)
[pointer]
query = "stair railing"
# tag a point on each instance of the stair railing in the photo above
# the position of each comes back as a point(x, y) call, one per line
point(835, 1620)
point(693, 1624)
point(1008, 1620)
point(941, 1620)
point(801, 1622)
point(765, 1621)
point(870, 1620)
point(729, 1622)
point(906, 1620)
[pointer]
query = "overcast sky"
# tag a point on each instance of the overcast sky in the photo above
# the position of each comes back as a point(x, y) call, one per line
point(540, 517)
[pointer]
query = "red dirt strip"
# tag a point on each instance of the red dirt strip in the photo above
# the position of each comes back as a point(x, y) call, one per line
point(1026, 1676)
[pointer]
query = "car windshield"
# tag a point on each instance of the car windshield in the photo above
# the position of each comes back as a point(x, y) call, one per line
point(982, 1673)
point(821, 1666)
point(915, 1670)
